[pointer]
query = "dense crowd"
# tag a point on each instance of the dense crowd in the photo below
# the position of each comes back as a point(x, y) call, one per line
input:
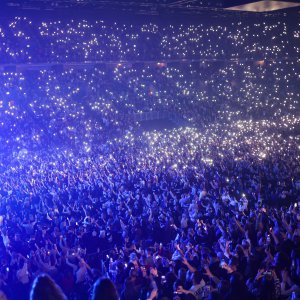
point(205, 211)
point(87, 105)
point(193, 212)
point(88, 40)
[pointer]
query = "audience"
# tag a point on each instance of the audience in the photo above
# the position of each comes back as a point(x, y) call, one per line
point(73, 40)
point(206, 210)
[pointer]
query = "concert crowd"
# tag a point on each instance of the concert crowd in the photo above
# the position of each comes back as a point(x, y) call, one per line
point(73, 40)
point(206, 210)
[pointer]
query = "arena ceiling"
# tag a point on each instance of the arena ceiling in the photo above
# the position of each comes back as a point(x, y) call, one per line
point(155, 6)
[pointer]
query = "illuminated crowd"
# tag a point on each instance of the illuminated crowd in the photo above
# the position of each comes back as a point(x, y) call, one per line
point(86, 106)
point(208, 210)
point(98, 40)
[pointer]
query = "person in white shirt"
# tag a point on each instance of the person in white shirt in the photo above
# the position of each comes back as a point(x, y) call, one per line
point(243, 203)
point(197, 288)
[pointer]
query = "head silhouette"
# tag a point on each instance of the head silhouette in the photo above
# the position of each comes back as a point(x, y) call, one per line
point(104, 289)
point(44, 288)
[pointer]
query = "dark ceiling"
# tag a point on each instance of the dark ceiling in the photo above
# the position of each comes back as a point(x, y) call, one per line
point(138, 6)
